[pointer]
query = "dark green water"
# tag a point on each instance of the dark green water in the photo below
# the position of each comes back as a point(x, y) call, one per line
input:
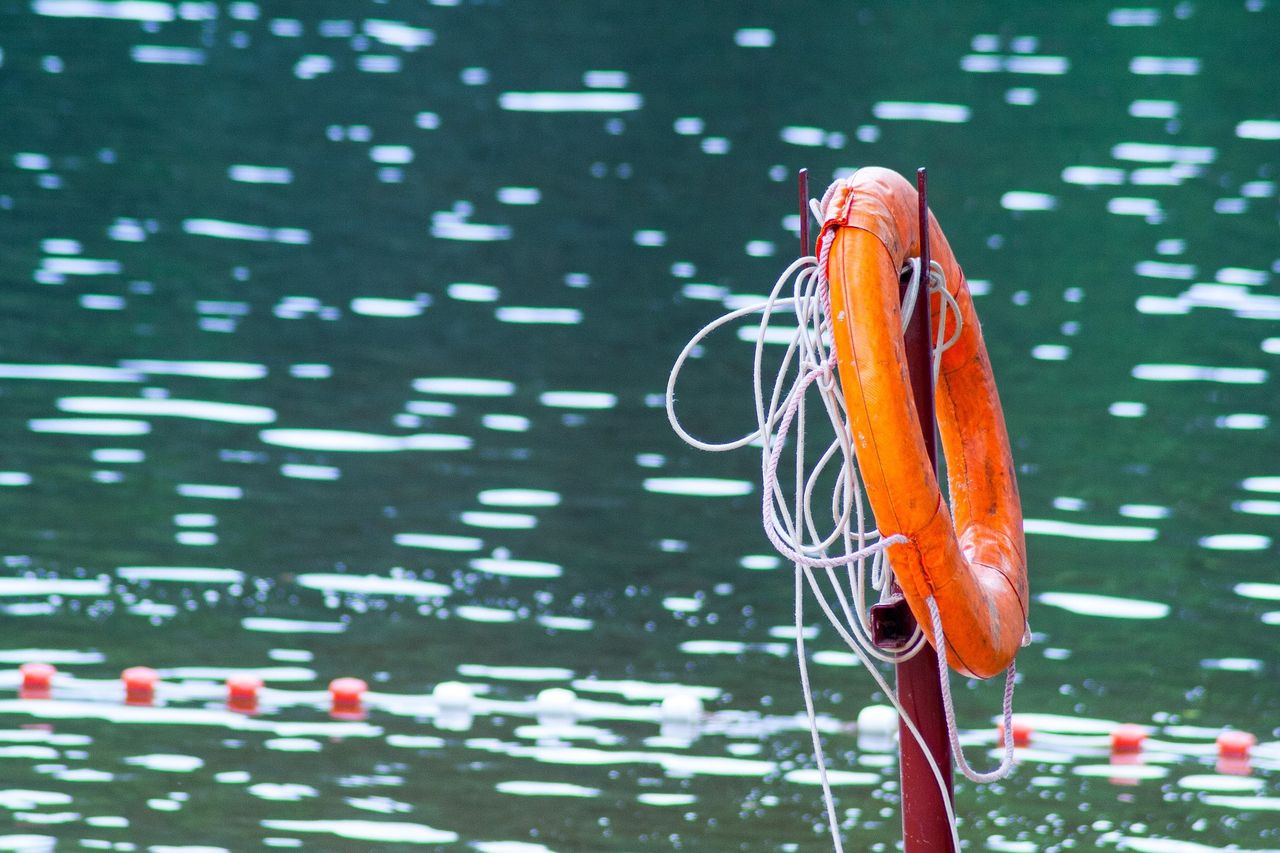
point(311, 213)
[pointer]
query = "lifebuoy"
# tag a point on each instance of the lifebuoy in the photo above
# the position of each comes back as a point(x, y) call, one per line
point(972, 557)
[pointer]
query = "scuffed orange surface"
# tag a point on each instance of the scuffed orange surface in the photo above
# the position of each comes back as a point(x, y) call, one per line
point(971, 556)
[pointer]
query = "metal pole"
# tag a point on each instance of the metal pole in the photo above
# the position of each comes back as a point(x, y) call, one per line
point(925, 828)
point(805, 248)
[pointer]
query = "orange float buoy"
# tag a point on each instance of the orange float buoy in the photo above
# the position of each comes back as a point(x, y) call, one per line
point(242, 692)
point(1233, 753)
point(1127, 738)
point(971, 558)
point(347, 695)
point(139, 685)
point(37, 680)
point(1234, 744)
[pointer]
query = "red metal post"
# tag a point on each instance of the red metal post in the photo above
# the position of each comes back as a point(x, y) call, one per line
point(925, 828)
point(805, 248)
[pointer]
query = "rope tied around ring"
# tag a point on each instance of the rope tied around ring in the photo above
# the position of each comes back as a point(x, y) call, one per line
point(794, 530)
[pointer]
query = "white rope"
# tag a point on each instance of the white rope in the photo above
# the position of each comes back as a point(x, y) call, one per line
point(944, 680)
point(795, 531)
point(860, 651)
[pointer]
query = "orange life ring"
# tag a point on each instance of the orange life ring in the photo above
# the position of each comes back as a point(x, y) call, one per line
point(974, 567)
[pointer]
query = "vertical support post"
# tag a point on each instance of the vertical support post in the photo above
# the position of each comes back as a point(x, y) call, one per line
point(805, 247)
point(922, 217)
point(925, 828)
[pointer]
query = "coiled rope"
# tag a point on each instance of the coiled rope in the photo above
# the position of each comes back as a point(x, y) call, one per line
point(794, 530)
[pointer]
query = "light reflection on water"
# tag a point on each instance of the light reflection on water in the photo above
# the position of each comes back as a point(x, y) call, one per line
point(416, 238)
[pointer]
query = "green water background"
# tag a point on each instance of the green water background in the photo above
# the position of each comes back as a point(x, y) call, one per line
point(153, 143)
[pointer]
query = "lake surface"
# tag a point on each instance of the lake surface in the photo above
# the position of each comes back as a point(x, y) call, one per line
point(334, 344)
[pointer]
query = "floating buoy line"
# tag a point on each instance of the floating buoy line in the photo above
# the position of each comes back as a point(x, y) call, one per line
point(681, 715)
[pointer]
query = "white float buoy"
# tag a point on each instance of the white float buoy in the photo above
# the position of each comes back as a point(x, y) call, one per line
point(556, 705)
point(556, 697)
point(680, 718)
point(452, 696)
point(454, 702)
point(682, 708)
point(877, 728)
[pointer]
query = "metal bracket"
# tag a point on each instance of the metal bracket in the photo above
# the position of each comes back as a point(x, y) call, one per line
point(892, 624)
